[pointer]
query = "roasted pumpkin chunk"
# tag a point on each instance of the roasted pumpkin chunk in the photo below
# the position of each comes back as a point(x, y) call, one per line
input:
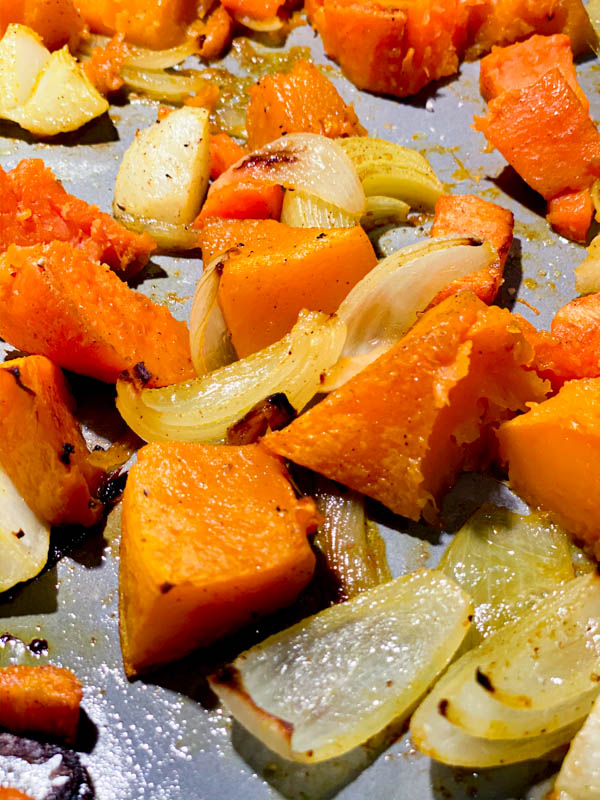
point(41, 445)
point(212, 537)
point(553, 456)
point(402, 429)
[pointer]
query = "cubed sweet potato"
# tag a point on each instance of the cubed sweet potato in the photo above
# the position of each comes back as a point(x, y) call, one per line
point(57, 21)
point(571, 214)
point(268, 282)
point(403, 428)
point(509, 68)
point(41, 445)
point(157, 24)
point(36, 209)
point(58, 303)
point(301, 101)
point(468, 215)
point(212, 537)
point(40, 699)
point(553, 456)
point(545, 133)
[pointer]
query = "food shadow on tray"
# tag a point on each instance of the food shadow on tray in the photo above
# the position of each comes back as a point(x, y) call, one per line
point(98, 131)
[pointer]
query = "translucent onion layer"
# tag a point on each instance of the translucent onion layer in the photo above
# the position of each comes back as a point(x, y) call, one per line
point(202, 410)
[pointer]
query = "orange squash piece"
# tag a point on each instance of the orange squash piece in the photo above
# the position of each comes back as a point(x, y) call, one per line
point(577, 327)
point(157, 24)
point(57, 21)
point(41, 445)
point(502, 22)
point(468, 215)
point(266, 284)
point(509, 68)
point(224, 152)
point(301, 101)
point(41, 699)
point(554, 361)
point(8, 793)
point(35, 209)
point(553, 455)
point(104, 67)
point(212, 537)
point(218, 235)
point(545, 133)
point(246, 198)
point(571, 214)
point(404, 427)
point(56, 302)
point(215, 32)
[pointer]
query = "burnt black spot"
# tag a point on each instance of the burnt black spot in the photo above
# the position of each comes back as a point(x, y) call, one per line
point(39, 647)
point(322, 236)
point(483, 680)
point(443, 707)
point(166, 587)
point(67, 452)
point(113, 488)
point(219, 268)
point(19, 534)
point(268, 159)
point(142, 373)
point(273, 413)
point(16, 373)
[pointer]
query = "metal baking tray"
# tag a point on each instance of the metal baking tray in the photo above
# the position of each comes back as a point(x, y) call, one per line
point(165, 737)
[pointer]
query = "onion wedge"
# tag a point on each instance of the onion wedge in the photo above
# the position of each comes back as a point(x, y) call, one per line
point(381, 308)
point(553, 655)
point(24, 539)
point(383, 210)
point(439, 739)
point(387, 169)
point(579, 776)
point(210, 343)
point(505, 561)
point(202, 410)
point(325, 685)
point(344, 540)
point(301, 210)
point(307, 162)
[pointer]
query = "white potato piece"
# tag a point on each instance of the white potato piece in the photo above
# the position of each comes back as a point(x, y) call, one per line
point(327, 684)
point(164, 173)
point(24, 539)
point(63, 99)
point(22, 57)
point(579, 776)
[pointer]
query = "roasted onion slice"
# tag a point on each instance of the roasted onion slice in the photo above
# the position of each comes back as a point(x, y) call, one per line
point(202, 410)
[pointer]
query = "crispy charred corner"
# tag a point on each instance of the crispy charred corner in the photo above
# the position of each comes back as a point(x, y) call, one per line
point(483, 680)
point(66, 453)
point(141, 373)
point(273, 413)
point(16, 373)
point(268, 159)
point(113, 488)
point(228, 676)
point(166, 587)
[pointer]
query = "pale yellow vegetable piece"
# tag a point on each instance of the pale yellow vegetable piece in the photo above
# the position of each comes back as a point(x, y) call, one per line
point(325, 685)
point(388, 169)
point(550, 656)
point(579, 776)
point(22, 57)
point(202, 410)
point(164, 173)
point(303, 210)
point(587, 274)
point(24, 539)
point(505, 561)
point(63, 99)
